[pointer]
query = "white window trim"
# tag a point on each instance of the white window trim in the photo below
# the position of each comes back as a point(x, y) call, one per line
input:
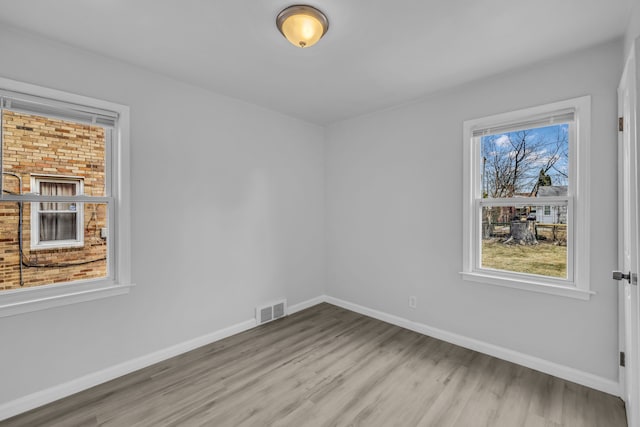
point(36, 244)
point(577, 286)
point(19, 301)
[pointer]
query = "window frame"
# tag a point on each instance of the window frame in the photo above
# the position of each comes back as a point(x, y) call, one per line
point(577, 201)
point(36, 243)
point(117, 187)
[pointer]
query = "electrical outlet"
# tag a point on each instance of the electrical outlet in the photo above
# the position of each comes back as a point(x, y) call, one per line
point(413, 301)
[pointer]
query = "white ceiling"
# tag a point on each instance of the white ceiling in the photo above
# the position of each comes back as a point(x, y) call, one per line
point(377, 53)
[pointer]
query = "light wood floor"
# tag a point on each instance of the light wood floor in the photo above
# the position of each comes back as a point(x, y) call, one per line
point(326, 366)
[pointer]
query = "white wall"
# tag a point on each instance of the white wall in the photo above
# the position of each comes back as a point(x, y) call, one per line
point(394, 203)
point(228, 212)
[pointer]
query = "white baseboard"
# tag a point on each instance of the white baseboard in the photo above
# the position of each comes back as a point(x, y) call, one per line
point(32, 401)
point(26, 403)
point(551, 368)
point(306, 304)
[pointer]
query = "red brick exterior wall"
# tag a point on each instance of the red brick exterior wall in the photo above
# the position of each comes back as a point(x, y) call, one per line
point(35, 146)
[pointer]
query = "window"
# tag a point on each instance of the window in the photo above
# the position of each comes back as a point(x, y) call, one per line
point(64, 199)
point(57, 224)
point(512, 162)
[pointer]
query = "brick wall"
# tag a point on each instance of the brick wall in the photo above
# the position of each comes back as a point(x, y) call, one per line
point(34, 146)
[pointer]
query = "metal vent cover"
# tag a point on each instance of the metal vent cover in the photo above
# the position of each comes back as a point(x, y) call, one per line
point(278, 310)
point(268, 312)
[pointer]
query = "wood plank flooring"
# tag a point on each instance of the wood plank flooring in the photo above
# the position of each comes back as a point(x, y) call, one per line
point(326, 366)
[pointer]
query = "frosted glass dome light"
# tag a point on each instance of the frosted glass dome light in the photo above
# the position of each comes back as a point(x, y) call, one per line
point(302, 25)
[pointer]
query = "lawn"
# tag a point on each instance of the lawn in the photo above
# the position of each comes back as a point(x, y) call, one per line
point(546, 259)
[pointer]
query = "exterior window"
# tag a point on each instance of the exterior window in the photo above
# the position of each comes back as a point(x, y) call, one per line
point(514, 161)
point(57, 224)
point(58, 165)
point(64, 199)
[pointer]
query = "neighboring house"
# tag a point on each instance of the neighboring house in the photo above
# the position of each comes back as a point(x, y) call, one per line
point(60, 242)
point(549, 214)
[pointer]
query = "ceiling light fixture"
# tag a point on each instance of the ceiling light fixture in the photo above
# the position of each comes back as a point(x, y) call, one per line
point(302, 25)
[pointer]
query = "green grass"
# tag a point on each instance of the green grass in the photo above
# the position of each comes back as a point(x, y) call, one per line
point(545, 259)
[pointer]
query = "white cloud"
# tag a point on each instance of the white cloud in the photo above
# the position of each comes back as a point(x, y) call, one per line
point(542, 157)
point(502, 141)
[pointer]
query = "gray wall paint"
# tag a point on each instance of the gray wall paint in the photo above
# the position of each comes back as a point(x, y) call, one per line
point(244, 225)
point(248, 221)
point(394, 219)
point(633, 29)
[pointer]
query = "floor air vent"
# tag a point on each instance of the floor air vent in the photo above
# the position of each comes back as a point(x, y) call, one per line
point(267, 313)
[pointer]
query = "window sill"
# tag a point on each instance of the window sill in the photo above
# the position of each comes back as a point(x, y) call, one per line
point(528, 285)
point(18, 301)
point(47, 247)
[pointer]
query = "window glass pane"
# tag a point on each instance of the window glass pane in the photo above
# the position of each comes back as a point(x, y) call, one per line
point(42, 266)
point(33, 144)
point(523, 239)
point(48, 188)
point(526, 163)
point(58, 226)
point(52, 188)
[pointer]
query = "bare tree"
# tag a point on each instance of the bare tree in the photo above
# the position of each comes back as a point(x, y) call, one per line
point(517, 163)
point(514, 161)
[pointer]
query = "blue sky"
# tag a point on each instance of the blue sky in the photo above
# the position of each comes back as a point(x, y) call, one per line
point(539, 147)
